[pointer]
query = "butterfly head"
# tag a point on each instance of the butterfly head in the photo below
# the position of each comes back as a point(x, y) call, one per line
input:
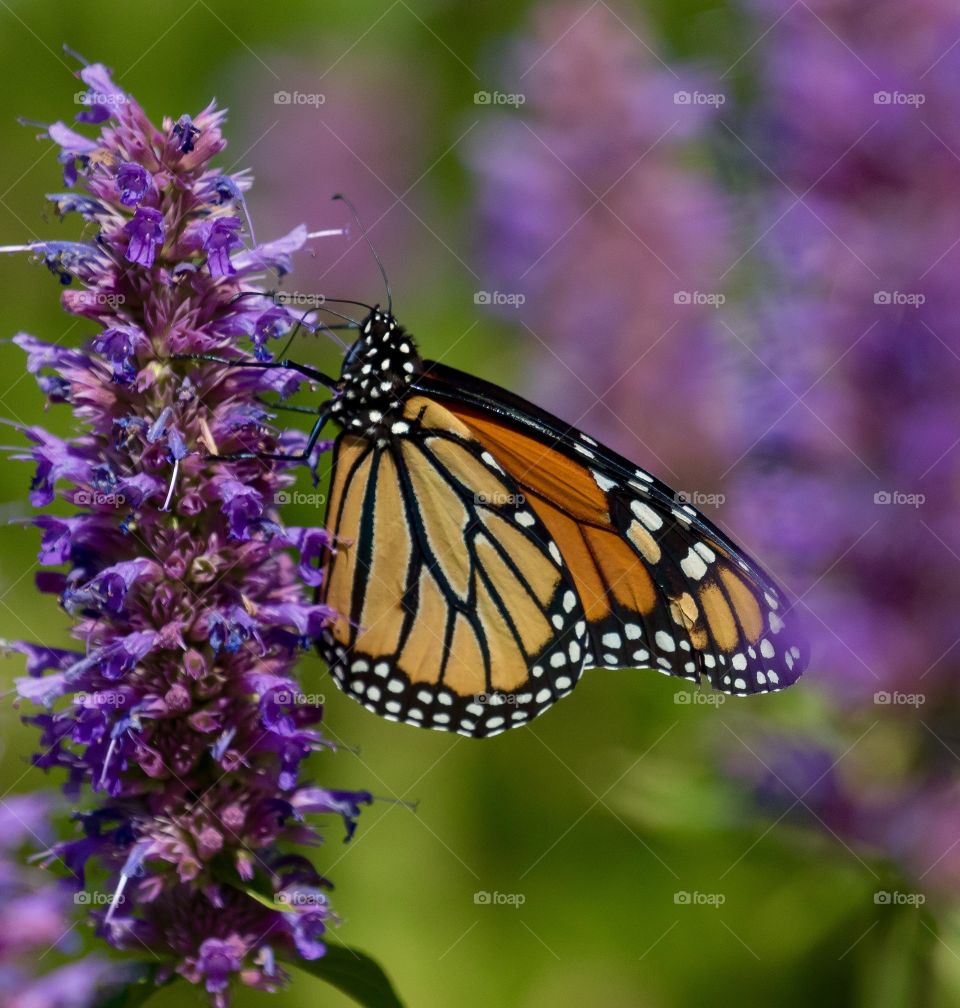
point(376, 371)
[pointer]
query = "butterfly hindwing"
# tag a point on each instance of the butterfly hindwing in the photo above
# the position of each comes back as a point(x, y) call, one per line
point(660, 585)
point(456, 609)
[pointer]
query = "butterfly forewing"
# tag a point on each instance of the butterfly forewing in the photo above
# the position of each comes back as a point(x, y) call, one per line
point(660, 586)
point(457, 609)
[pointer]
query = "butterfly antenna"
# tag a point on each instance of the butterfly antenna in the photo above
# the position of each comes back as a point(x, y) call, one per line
point(363, 231)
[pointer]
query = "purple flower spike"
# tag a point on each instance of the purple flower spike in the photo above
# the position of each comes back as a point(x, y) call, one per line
point(186, 592)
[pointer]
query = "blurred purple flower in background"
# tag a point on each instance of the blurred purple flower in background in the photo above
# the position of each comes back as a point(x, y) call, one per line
point(852, 413)
point(820, 393)
point(181, 712)
point(320, 143)
point(851, 477)
point(35, 920)
point(592, 209)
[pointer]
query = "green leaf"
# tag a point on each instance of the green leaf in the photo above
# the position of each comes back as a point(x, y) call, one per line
point(354, 973)
point(257, 890)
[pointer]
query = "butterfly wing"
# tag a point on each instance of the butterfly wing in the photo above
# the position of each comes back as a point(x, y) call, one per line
point(659, 584)
point(456, 609)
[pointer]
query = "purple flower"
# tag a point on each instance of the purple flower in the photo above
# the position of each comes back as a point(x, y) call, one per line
point(75, 150)
point(119, 346)
point(185, 134)
point(219, 236)
point(184, 585)
point(308, 933)
point(146, 234)
point(217, 960)
point(243, 506)
point(272, 324)
point(133, 183)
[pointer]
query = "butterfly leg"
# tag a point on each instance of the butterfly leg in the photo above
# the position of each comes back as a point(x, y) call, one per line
point(304, 456)
point(304, 369)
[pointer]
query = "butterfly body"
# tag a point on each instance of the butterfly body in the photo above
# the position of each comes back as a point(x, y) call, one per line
point(486, 553)
point(375, 376)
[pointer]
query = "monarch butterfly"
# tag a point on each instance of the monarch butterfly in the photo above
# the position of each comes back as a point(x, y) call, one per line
point(486, 553)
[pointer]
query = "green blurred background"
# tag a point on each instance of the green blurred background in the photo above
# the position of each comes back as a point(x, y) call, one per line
point(599, 814)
